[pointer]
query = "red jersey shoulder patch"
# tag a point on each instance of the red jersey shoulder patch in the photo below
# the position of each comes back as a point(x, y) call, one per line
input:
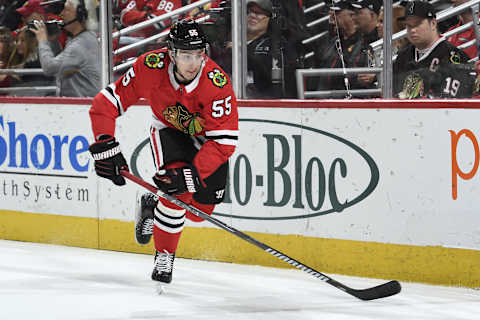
point(155, 60)
point(218, 78)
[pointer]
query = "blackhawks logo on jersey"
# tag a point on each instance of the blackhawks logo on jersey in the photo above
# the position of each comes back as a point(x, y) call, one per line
point(179, 116)
point(413, 87)
point(455, 58)
point(155, 60)
point(218, 78)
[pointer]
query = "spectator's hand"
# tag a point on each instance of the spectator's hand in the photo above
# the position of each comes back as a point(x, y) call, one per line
point(366, 79)
point(40, 31)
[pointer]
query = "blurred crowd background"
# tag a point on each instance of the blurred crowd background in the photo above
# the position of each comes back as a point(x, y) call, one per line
point(434, 58)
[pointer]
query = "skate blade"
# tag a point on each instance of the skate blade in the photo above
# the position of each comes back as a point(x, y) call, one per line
point(160, 289)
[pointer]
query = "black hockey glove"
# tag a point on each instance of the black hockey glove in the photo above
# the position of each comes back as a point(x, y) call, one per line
point(108, 159)
point(178, 180)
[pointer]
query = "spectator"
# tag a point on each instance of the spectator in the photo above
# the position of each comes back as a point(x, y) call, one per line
point(366, 21)
point(7, 45)
point(398, 11)
point(264, 78)
point(343, 49)
point(263, 42)
point(464, 36)
point(292, 22)
point(142, 10)
point(32, 10)
point(429, 66)
point(9, 17)
point(25, 56)
point(77, 67)
point(119, 5)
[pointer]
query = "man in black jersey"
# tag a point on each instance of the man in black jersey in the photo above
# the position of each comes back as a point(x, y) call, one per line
point(430, 66)
point(344, 48)
point(366, 20)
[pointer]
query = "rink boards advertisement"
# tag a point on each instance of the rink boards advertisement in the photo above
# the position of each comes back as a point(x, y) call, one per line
point(360, 179)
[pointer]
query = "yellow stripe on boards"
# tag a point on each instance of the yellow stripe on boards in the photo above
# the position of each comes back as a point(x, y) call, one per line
point(427, 264)
point(47, 228)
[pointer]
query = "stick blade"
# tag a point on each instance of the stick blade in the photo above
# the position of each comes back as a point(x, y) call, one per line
point(384, 290)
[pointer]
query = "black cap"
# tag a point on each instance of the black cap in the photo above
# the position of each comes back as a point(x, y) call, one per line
point(339, 5)
point(420, 9)
point(373, 5)
point(264, 4)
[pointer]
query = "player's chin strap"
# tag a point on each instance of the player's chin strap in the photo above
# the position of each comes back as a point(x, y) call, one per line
point(338, 46)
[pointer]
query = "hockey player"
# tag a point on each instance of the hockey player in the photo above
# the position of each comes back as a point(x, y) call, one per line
point(193, 133)
point(426, 55)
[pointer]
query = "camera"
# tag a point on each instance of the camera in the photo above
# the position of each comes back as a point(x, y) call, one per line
point(53, 26)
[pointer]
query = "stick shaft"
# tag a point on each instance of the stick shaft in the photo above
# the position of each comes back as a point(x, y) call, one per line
point(261, 245)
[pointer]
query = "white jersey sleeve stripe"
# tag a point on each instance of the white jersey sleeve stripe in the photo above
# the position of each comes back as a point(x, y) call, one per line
point(213, 133)
point(117, 97)
point(109, 93)
point(228, 142)
point(109, 97)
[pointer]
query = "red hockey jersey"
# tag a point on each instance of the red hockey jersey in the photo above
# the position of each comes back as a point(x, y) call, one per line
point(142, 10)
point(205, 107)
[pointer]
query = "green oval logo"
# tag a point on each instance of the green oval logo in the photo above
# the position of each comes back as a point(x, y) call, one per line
point(338, 165)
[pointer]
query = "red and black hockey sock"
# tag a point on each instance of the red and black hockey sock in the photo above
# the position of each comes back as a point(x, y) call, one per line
point(169, 220)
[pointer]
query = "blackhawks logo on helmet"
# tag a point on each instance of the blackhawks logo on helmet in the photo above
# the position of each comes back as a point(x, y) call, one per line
point(218, 78)
point(179, 116)
point(155, 60)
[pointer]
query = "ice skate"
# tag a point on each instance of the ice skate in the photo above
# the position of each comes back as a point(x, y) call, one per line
point(144, 218)
point(162, 270)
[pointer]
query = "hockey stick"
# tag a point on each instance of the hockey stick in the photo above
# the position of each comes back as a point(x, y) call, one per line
point(384, 290)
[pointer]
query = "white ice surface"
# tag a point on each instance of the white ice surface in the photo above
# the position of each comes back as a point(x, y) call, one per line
point(39, 281)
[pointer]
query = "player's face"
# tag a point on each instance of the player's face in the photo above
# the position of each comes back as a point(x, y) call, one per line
point(422, 33)
point(189, 62)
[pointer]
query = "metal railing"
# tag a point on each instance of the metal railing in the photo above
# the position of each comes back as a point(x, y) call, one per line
point(33, 71)
point(30, 90)
point(314, 7)
point(302, 73)
point(26, 89)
